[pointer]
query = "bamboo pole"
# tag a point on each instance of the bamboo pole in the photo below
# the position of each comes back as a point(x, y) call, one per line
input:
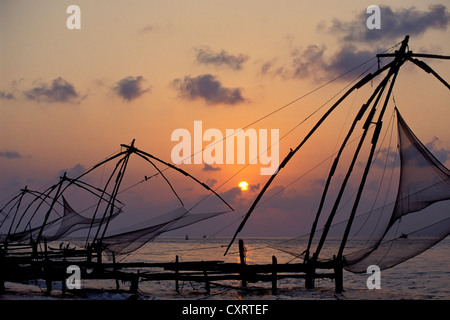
point(207, 286)
point(243, 271)
point(274, 276)
point(339, 275)
point(177, 288)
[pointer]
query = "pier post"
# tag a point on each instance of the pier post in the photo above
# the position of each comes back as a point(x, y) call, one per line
point(243, 264)
point(339, 274)
point(274, 275)
point(2, 268)
point(115, 271)
point(47, 269)
point(134, 283)
point(207, 286)
point(310, 273)
point(99, 257)
point(64, 275)
point(177, 289)
point(89, 253)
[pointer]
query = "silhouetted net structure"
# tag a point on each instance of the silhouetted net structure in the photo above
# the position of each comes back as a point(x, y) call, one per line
point(129, 239)
point(33, 216)
point(417, 220)
point(355, 226)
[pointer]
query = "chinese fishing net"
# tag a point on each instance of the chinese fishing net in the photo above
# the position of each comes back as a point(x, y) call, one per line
point(419, 217)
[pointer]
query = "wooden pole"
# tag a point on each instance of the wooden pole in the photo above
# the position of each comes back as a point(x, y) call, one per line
point(176, 275)
point(274, 275)
point(115, 271)
point(2, 268)
point(339, 274)
point(47, 269)
point(243, 264)
point(63, 278)
point(309, 274)
point(207, 286)
point(98, 249)
point(134, 283)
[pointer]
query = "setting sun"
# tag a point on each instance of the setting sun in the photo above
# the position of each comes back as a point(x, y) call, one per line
point(243, 185)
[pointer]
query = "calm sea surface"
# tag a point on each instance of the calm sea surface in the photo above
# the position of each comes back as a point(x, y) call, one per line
point(423, 277)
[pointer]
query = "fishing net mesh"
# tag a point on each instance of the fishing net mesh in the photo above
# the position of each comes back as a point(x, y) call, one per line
point(419, 220)
point(415, 219)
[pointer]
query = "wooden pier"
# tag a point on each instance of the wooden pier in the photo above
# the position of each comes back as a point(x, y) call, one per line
point(22, 263)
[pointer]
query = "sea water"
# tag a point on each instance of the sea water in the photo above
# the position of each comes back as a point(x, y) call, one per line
point(424, 277)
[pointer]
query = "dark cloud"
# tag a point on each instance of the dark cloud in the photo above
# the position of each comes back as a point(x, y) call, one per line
point(211, 182)
point(73, 172)
point(347, 58)
point(316, 62)
point(148, 28)
point(308, 62)
point(130, 88)
point(7, 95)
point(222, 58)
point(395, 24)
point(208, 167)
point(441, 154)
point(207, 87)
point(58, 91)
point(384, 158)
point(10, 155)
point(389, 158)
point(254, 187)
point(231, 195)
point(272, 69)
point(312, 63)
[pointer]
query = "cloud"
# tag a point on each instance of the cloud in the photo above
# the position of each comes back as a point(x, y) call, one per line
point(7, 95)
point(58, 91)
point(254, 187)
point(10, 155)
point(389, 158)
point(231, 195)
point(384, 158)
point(317, 63)
point(313, 63)
point(208, 167)
point(148, 28)
point(211, 182)
point(441, 154)
point(395, 24)
point(347, 58)
point(73, 172)
point(308, 62)
point(207, 87)
point(130, 88)
point(222, 58)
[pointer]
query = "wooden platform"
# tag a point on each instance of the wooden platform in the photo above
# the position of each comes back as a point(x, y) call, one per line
point(21, 263)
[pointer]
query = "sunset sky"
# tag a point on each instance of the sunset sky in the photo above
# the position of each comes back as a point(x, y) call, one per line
point(142, 69)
